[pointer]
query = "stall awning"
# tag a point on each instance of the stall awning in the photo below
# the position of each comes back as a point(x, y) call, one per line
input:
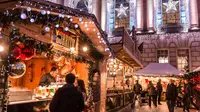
point(159, 69)
point(197, 69)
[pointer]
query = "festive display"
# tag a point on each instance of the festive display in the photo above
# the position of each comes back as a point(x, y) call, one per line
point(121, 11)
point(171, 5)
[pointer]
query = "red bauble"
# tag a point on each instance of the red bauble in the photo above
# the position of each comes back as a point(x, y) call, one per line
point(27, 53)
point(17, 52)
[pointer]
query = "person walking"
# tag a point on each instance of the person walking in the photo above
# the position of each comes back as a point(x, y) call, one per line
point(152, 94)
point(171, 95)
point(188, 96)
point(159, 90)
point(67, 98)
point(137, 89)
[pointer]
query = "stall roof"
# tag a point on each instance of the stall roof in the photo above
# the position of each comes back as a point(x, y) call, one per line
point(158, 69)
point(75, 14)
point(197, 69)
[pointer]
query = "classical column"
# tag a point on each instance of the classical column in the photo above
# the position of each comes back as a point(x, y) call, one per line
point(96, 9)
point(150, 16)
point(194, 23)
point(139, 16)
point(103, 14)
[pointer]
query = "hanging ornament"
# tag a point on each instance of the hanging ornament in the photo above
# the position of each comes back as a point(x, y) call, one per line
point(27, 53)
point(71, 19)
point(17, 52)
point(57, 25)
point(121, 11)
point(43, 12)
point(18, 69)
point(32, 20)
point(171, 6)
point(47, 29)
point(28, 9)
point(23, 16)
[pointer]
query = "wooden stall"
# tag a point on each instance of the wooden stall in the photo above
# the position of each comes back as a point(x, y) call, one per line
point(37, 35)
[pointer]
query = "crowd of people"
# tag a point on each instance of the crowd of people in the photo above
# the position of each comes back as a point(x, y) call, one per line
point(176, 95)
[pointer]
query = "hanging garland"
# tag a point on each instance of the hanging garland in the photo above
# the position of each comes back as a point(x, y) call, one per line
point(24, 48)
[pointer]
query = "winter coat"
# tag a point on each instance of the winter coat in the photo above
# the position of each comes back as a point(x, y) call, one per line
point(137, 88)
point(171, 92)
point(188, 90)
point(67, 99)
point(159, 87)
point(151, 89)
point(46, 80)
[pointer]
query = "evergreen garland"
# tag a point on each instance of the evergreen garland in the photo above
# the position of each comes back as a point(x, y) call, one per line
point(191, 75)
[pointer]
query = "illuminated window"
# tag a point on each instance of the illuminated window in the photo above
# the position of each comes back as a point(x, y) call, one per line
point(183, 60)
point(162, 56)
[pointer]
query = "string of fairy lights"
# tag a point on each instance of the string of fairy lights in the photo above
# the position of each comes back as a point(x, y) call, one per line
point(53, 16)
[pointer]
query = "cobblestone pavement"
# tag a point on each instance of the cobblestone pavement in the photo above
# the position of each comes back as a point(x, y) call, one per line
point(160, 108)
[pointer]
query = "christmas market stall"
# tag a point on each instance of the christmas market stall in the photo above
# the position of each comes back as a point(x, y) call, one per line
point(155, 71)
point(194, 78)
point(34, 37)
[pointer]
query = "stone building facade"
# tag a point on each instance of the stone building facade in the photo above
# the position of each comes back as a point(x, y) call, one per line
point(176, 44)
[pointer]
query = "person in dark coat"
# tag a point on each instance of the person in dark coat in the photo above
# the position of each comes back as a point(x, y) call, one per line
point(159, 90)
point(171, 95)
point(48, 78)
point(68, 98)
point(138, 90)
point(188, 96)
point(152, 94)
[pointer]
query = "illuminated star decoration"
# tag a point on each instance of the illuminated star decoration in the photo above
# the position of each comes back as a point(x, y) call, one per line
point(121, 11)
point(171, 5)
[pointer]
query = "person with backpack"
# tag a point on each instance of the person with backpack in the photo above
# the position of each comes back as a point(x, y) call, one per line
point(152, 94)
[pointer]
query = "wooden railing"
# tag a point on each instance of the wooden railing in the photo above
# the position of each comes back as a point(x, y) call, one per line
point(131, 45)
point(117, 99)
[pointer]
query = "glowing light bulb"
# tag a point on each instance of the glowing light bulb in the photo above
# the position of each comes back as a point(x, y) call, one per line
point(85, 49)
point(66, 28)
point(32, 20)
point(76, 25)
point(47, 29)
point(23, 16)
point(1, 48)
point(57, 25)
point(28, 9)
point(43, 12)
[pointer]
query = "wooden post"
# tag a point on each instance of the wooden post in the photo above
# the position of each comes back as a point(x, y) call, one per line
point(103, 93)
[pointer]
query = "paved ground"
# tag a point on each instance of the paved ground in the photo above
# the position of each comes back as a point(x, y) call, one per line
point(161, 108)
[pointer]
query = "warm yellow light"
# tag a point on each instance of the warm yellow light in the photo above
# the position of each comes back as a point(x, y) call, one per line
point(1, 48)
point(72, 49)
point(85, 49)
